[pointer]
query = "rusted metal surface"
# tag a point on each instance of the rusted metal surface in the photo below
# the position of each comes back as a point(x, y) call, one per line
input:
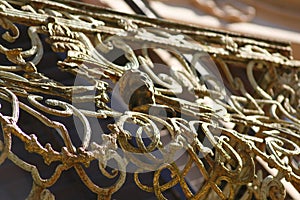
point(173, 107)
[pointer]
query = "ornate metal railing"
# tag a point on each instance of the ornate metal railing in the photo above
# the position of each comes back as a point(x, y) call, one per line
point(228, 105)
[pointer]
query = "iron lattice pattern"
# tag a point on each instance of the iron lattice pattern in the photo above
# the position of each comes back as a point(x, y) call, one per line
point(229, 137)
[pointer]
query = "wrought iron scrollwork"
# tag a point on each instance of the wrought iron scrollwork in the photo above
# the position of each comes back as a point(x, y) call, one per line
point(171, 107)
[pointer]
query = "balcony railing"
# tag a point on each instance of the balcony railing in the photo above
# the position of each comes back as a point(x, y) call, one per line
point(147, 95)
